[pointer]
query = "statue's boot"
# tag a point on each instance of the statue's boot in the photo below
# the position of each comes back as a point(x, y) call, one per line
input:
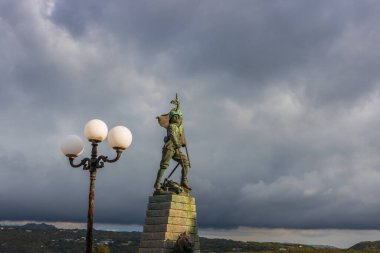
point(186, 186)
point(157, 184)
point(184, 182)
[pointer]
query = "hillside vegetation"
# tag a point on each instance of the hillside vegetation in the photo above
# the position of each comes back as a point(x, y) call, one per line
point(42, 238)
point(374, 246)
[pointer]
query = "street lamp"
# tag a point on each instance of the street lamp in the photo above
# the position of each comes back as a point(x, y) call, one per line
point(95, 131)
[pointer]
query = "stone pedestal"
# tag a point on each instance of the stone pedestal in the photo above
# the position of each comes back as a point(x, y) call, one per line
point(167, 217)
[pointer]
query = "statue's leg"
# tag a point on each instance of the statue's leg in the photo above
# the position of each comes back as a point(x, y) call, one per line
point(182, 159)
point(166, 157)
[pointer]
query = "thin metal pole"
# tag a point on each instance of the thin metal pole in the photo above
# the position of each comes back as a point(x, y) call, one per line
point(90, 216)
point(92, 164)
point(91, 198)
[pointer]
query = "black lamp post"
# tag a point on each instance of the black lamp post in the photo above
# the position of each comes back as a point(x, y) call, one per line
point(95, 131)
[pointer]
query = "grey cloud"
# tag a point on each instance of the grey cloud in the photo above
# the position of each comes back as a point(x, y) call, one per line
point(280, 102)
point(250, 45)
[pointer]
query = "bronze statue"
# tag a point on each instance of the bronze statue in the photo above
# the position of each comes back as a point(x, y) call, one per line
point(174, 140)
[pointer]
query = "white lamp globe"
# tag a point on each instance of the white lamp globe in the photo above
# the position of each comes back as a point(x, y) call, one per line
point(120, 137)
point(95, 130)
point(72, 146)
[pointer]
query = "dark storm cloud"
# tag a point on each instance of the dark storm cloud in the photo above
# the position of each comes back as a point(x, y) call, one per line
point(280, 101)
point(246, 44)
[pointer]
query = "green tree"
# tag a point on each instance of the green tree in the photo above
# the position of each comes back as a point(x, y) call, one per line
point(103, 249)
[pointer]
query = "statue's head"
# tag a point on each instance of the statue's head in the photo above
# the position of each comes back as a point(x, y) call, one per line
point(175, 117)
point(175, 112)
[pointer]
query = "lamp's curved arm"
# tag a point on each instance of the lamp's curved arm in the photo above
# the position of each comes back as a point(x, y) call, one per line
point(85, 163)
point(102, 159)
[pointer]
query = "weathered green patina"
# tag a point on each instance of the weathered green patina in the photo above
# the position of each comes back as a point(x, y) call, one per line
point(174, 140)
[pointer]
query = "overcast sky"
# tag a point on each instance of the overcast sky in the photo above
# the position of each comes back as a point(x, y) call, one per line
point(281, 103)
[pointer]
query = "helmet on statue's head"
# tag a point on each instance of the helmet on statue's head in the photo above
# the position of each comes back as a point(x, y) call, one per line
point(173, 113)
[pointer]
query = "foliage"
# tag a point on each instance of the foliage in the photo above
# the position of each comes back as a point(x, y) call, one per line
point(103, 249)
point(20, 240)
point(46, 240)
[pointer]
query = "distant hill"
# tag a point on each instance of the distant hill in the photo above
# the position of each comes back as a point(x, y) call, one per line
point(38, 226)
point(225, 245)
point(44, 238)
point(367, 245)
point(323, 247)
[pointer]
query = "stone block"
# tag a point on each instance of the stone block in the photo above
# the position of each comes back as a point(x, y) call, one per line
point(171, 213)
point(171, 205)
point(156, 220)
point(170, 228)
point(182, 221)
point(168, 244)
point(170, 220)
point(165, 236)
point(159, 236)
point(157, 213)
point(166, 218)
point(172, 198)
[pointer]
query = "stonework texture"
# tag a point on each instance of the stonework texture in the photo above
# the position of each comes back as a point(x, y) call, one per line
point(166, 218)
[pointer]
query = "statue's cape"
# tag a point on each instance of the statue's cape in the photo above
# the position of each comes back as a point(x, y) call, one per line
point(163, 120)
